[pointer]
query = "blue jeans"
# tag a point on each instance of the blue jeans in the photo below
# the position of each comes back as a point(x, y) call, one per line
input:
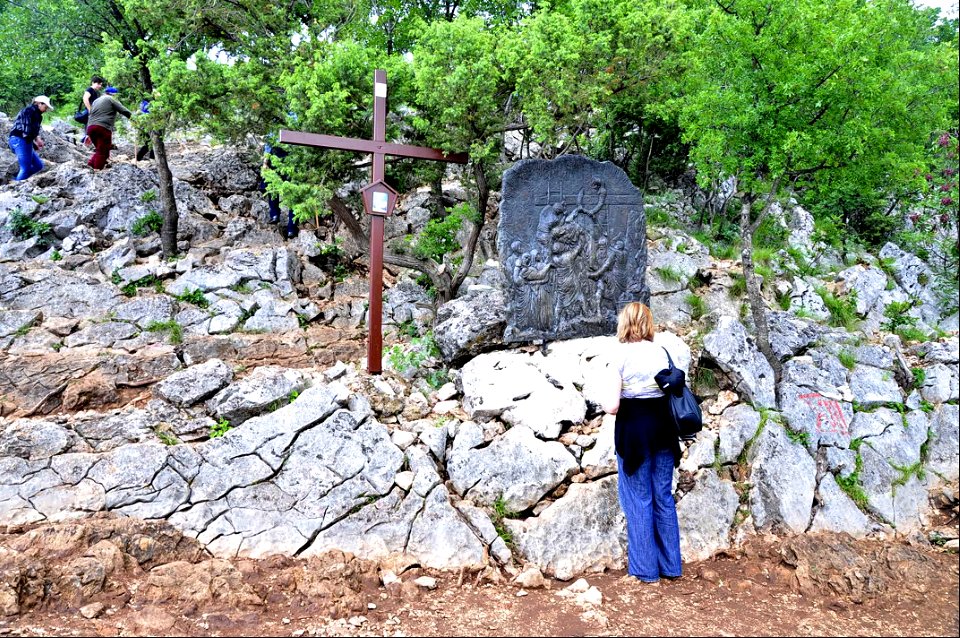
point(30, 163)
point(653, 533)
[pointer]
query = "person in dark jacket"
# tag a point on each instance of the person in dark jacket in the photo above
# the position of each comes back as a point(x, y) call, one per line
point(100, 127)
point(25, 138)
point(144, 146)
point(90, 95)
point(647, 447)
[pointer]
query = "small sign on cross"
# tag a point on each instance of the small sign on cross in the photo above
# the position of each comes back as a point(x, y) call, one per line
point(379, 199)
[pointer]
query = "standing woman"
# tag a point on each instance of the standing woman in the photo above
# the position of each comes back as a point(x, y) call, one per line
point(25, 138)
point(648, 448)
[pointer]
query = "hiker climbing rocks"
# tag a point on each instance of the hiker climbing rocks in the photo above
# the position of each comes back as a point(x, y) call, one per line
point(103, 117)
point(25, 138)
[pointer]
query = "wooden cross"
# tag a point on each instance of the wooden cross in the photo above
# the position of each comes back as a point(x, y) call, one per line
point(379, 198)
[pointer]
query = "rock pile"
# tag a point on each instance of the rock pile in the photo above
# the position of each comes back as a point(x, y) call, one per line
point(221, 392)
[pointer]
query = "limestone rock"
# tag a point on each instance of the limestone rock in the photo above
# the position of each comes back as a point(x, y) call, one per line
point(470, 325)
point(872, 386)
point(584, 531)
point(941, 383)
point(706, 515)
point(601, 459)
point(943, 455)
point(517, 468)
point(195, 383)
point(440, 539)
point(734, 352)
point(837, 513)
point(264, 387)
point(899, 505)
point(511, 386)
point(738, 425)
point(784, 479)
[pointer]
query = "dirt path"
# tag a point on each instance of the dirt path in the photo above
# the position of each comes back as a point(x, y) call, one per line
point(755, 592)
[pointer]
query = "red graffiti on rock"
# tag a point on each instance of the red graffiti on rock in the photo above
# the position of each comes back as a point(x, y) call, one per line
point(830, 419)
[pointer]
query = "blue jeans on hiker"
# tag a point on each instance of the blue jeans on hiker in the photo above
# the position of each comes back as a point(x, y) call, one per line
point(653, 533)
point(30, 163)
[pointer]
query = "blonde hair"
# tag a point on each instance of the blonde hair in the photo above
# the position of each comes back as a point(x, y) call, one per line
point(635, 323)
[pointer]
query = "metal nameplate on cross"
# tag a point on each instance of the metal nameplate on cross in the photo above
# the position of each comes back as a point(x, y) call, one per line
point(378, 198)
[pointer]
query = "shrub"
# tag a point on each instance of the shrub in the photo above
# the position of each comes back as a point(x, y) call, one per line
point(151, 222)
point(843, 310)
point(148, 196)
point(698, 307)
point(24, 227)
point(439, 236)
point(409, 358)
point(195, 297)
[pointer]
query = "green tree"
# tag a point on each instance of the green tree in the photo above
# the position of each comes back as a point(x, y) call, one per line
point(588, 74)
point(807, 94)
point(39, 57)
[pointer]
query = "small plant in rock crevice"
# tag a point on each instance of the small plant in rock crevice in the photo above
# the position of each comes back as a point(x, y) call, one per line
point(220, 428)
point(501, 512)
point(194, 297)
point(152, 222)
point(24, 227)
point(847, 359)
point(698, 306)
point(670, 274)
point(411, 357)
point(166, 438)
point(172, 327)
point(919, 377)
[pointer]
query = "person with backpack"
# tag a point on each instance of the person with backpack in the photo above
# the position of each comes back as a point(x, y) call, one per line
point(647, 446)
point(100, 127)
point(25, 138)
point(90, 95)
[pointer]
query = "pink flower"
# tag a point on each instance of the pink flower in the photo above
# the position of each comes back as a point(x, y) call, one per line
point(914, 217)
point(944, 140)
point(946, 201)
point(944, 218)
point(948, 172)
point(928, 177)
point(945, 187)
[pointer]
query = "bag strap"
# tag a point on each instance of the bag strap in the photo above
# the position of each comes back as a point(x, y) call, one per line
point(669, 358)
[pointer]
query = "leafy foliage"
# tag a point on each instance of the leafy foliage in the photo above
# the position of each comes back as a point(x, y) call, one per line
point(439, 236)
point(220, 428)
point(152, 222)
point(24, 227)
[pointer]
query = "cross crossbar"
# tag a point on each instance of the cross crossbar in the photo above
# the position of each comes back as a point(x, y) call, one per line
point(378, 147)
point(370, 146)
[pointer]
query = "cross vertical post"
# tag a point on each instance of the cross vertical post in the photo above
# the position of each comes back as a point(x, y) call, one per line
point(375, 338)
point(379, 202)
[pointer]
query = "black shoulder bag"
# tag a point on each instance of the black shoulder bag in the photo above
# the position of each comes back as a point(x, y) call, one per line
point(683, 404)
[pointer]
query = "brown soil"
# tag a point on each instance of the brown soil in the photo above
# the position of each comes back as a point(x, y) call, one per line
point(160, 583)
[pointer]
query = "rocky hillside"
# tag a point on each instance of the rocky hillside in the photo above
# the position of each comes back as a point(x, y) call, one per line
point(223, 392)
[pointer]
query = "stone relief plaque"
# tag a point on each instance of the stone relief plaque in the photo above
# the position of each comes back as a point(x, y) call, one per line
point(572, 244)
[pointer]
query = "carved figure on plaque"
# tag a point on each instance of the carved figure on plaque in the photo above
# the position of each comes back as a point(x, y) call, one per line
point(572, 242)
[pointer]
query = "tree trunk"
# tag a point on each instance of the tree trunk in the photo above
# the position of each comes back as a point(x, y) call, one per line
point(483, 197)
point(758, 308)
point(171, 218)
point(445, 283)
